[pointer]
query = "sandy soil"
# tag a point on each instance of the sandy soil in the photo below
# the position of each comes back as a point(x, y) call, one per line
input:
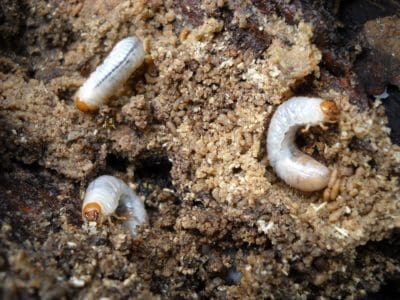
point(188, 131)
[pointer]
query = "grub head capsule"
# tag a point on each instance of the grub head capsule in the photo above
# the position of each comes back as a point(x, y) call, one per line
point(330, 110)
point(91, 212)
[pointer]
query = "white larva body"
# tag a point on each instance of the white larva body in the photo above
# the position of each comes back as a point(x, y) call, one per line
point(294, 167)
point(109, 192)
point(126, 56)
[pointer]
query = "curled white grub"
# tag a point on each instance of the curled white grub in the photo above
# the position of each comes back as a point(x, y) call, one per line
point(293, 166)
point(126, 56)
point(105, 194)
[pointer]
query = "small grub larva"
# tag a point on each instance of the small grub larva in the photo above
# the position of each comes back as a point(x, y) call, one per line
point(105, 194)
point(126, 56)
point(294, 167)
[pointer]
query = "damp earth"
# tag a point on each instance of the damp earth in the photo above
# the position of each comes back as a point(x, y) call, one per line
point(187, 131)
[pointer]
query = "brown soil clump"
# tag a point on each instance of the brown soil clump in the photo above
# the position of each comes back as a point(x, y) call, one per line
point(188, 131)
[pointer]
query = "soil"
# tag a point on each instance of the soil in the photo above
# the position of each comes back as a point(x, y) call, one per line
point(188, 132)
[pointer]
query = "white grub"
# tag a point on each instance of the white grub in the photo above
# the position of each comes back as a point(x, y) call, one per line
point(105, 194)
point(294, 167)
point(126, 56)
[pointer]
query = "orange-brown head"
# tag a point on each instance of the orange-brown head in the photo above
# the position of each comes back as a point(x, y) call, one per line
point(91, 212)
point(330, 110)
point(82, 106)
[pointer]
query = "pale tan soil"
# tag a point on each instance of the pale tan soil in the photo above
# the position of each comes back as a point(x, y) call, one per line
point(189, 129)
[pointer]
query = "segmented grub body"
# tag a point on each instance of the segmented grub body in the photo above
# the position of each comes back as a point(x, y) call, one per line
point(127, 55)
point(105, 194)
point(294, 167)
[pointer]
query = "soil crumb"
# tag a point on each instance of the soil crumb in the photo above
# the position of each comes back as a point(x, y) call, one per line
point(188, 131)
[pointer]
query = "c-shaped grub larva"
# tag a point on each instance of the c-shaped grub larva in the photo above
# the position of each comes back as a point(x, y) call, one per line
point(126, 56)
point(293, 166)
point(105, 194)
